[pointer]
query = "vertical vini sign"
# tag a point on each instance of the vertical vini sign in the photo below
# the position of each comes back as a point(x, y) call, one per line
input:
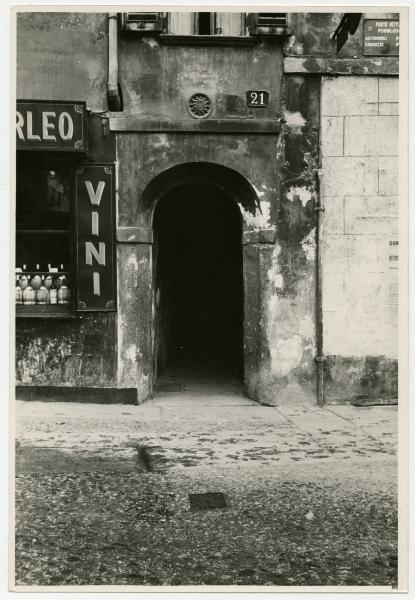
point(95, 249)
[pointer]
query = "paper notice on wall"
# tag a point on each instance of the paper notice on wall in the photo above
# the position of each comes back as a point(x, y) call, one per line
point(393, 283)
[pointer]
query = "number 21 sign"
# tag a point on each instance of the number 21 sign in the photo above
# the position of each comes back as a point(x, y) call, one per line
point(257, 98)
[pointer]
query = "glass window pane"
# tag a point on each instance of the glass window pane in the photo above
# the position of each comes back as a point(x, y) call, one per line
point(230, 23)
point(48, 250)
point(181, 23)
point(42, 198)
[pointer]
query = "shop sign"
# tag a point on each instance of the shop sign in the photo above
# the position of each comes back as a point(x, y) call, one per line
point(95, 247)
point(381, 37)
point(51, 126)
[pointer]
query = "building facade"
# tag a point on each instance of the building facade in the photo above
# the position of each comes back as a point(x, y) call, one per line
point(207, 186)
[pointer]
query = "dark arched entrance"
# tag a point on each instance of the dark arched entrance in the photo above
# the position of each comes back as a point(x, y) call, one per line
point(198, 284)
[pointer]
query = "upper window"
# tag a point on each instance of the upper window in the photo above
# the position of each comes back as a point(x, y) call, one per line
point(187, 23)
point(205, 23)
point(226, 24)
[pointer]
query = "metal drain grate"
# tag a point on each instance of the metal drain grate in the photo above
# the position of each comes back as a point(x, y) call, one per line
point(207, 501)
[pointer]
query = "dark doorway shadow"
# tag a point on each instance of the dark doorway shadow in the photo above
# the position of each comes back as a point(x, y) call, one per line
point(198, 285)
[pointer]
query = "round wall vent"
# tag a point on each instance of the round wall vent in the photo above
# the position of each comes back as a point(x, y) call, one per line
point(199, 105)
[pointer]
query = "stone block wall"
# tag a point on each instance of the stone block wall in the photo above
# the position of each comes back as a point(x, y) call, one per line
point(359, 147)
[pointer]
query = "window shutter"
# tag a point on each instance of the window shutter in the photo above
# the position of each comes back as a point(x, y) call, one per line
point(268, 23)
point(142, 21)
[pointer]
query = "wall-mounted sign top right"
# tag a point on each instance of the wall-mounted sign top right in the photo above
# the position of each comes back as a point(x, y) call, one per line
point(381, 38)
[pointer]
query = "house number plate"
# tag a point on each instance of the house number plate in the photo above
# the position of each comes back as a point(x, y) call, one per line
point(257, 98)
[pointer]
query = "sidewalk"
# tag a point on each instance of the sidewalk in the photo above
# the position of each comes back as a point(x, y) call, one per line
point(209, 431)
point(310, 493)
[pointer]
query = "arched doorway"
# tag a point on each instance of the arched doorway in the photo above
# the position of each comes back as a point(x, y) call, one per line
point(198, 285)
point(141, 352)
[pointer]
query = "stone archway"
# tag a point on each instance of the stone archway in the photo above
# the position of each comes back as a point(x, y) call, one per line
point(228, 180)
point(139, 274)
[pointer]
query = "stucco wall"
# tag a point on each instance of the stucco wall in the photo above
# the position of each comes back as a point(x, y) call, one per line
point(289, 311)
point(71, 352)
point(157, 80)
point(359, 135)
point(141, 159)
point(63, 56)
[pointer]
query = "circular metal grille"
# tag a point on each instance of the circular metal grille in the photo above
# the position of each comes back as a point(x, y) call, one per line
point(200, 105)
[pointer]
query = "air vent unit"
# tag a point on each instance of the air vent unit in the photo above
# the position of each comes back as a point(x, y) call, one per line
point(268, 23)
point(142, 21)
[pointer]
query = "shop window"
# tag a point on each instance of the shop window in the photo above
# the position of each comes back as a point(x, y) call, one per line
point(44, 239)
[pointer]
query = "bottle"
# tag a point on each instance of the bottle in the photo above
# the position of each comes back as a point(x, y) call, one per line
point(64, 293)
point(29, 296)
point(17, 271)
point(42, 295)
point(23, 282)
point(19, 295)
point(60, 279)
point(53, 296)
point(36, 281)
point(48, 282)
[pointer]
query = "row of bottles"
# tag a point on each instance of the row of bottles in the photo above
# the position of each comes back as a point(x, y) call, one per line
point(50, 287)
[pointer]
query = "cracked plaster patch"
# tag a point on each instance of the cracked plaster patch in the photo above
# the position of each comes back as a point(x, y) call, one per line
point(295, 120)
point(261, 218)
point(309, 245)
point(286, 355)
point(303, 194)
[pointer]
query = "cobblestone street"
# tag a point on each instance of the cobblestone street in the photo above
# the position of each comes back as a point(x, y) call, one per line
point(102, 493)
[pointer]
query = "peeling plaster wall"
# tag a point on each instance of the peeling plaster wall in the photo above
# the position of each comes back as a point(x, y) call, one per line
point(74, 352)
point(140, 162)
point(279, 278)
point(359, 129)
point(158, 79)
point(289, 309)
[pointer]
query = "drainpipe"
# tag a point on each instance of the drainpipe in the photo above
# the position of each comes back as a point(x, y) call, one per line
point(319, 358)
point(114, 100)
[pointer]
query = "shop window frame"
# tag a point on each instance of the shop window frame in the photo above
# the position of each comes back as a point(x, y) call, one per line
point(49, 161)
